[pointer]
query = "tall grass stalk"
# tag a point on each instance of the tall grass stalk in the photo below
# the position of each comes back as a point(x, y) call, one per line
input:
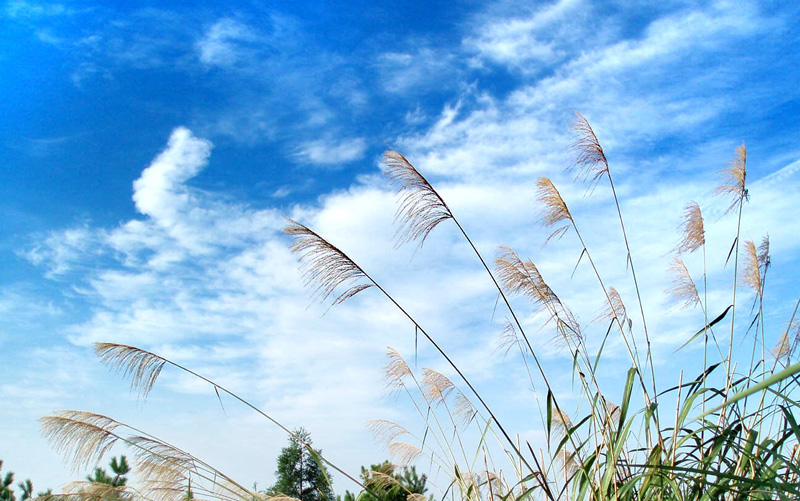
point(734, 434)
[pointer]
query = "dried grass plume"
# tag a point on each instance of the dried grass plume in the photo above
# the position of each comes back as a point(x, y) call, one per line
point(733, 179)
point(692, 230)
point(325, 265)
point(553, 208)
point(683, 288)
point(591, 161)
point(421, 208)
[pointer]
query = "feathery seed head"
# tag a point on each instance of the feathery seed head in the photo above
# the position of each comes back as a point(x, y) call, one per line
point(435, 386)
point(325, 265)
point(522, 277)
point(615, 308)
point(763, 253)
point(421, 208)
point(682, 288)
point(385, 431)
point(509, 339)
point(591, 161)
point(553, 208)
point(464, 411)
point(734, 179)
point(396, 370)
point(751, 274)
point(693, 235)
point(82, 437)
point(404, 453)
point(141, 366)
point(782, 349)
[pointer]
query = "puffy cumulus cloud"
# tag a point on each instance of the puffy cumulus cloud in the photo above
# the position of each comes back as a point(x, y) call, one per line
point(332, 152)
point(159, 192)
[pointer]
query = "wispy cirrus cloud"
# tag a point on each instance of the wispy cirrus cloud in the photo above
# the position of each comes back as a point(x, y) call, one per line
point(325, 152)
point(221, 45)
point(32, 10)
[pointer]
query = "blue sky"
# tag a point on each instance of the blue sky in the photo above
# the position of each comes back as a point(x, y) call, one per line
point(149, 154)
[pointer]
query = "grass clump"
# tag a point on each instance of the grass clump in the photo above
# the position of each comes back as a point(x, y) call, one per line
point(726, 430)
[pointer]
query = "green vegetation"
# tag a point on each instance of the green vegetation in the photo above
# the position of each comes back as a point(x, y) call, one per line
point(726, 430)
point(119, 467)
point(26, 488)
point(299, 474)
point(388, 483)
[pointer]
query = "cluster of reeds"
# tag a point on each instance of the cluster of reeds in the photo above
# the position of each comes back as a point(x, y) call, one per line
point(727, 430)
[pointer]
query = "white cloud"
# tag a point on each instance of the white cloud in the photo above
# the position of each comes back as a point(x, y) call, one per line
point(28, 10)
point(211, 282)
point(159, 192)
point(220, 45)
point(419, 69)
point(528, 43)
point(332, 152)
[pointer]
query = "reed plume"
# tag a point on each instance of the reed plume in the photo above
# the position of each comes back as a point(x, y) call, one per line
point(553, 208)
point(590, 161)
point(385, 431)
point(436, 386)
point(325, 265)
point(421, 208)
point(523, 278)
point(404, 453)
point(692, 230)
point(615, 309)
point(396, 370)
point(82, 437)
point(141, 366)
point(733, 180)
point(751, 268)
point(683, 288)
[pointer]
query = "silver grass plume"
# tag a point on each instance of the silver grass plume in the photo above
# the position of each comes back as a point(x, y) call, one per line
point(683, 288)
point(464, 411)
point(509, 339)
point(82, 437)
point(788, 342)
point(141, 366)
point(763, 253)
point(384, 431)
point(523, 278)
point(615, 309)
point(553, 208)
point(436, 386)
point(325, 265)
point(396, 371)
point(591, 161)
point(734, 179)
point(421, 208)
point(692, 230)
point(750, 275)
point(404, 453)
point(94, 491)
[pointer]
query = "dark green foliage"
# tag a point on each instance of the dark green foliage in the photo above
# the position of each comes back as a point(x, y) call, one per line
point(119, 468)
point(299, 472)
point(385, 482)
point(6, 493)
point(6, 484)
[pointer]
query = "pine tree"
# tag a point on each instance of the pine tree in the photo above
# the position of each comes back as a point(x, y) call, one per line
point(299, 474)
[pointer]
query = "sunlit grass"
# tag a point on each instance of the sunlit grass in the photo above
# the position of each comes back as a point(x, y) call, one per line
point(727, 430)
